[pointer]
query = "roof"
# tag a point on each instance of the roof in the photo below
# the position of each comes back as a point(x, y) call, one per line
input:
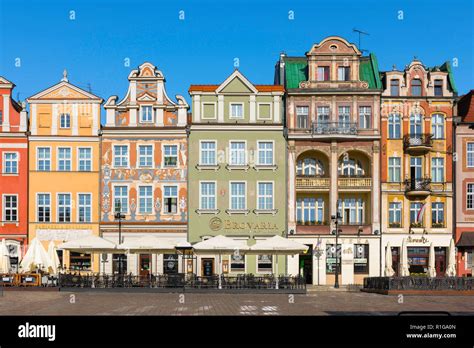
point(369, 71)
point(466, 240)
point(446, 67)
point(466, 107)
point(260, 88)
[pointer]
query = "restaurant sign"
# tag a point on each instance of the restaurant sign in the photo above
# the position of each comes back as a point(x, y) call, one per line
point(216, 224)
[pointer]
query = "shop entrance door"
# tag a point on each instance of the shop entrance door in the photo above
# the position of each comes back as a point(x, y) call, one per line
point(306, 265)
point(440, 261)
point(145, 264)
point(207, 267)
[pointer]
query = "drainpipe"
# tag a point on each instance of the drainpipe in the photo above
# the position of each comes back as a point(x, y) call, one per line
point(453, 170)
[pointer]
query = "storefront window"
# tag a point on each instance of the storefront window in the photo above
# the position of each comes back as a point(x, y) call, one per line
point(361, 258)
point(237, 263)
point(418, 259)
point(116, 259)
point(170, 263)
point(79, 261)
point(469, 254)
point(264, 263)
point(331, 258)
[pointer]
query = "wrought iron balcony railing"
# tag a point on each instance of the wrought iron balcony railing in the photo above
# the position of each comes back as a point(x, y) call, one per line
point(418, 185)
point(417, 141)
point(334, 128)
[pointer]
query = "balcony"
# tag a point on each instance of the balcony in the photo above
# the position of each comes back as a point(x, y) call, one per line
point(339, 128)
point(312, 227)
point(417, 187)
point(417, 143)
point(305, 183)
point(354, 183)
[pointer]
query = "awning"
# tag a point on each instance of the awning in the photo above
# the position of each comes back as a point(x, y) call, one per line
point(220, 244)
point(89, 244)
point(148, 243)
point(466, 240)
point(278, 245)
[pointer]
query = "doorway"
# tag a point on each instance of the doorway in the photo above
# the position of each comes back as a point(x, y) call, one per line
point(144, 262)
point(119, 263)
point(440, 261)
point(306, 265)
point(207, 267)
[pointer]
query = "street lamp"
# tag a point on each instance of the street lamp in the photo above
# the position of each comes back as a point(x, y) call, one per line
point(336, 218)
point(119, 216)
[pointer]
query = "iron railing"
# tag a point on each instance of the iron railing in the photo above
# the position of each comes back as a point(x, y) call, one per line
point(417, 140)
point(419, 283)
point(418, 184)
point(334, 128)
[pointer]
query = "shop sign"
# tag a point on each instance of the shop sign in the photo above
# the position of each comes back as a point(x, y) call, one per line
point(216, 224)
point(422, 240)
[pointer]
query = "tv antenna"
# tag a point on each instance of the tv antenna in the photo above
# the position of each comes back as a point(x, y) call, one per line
point(360, 32)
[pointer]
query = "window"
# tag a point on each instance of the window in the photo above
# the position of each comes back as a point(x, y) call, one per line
point(44, 159)
point(237, 153)
point(395, 87)
point(170, 199)
point(145, 199)
point(208, 196)
point(323, 115)
point(361, 258)
point(309, 167)
point(416, 87)
point(120, 156)
point(10, 208)
point(415, 125)
point(265, 196)
point(350, 167)
point(10, 163)
point(469, 258)
point(437, 169)
point(146, 114)
point(264, 263)
point(437, 214)
point(171, 155)
point(470, 154)
point(344, 116)
point(208, 153)
point(64, 159)
point(65, 121)
point(43, 205)
point(343, 73)
point(365, 117)
point(121, 199)
point(64, 207)
point(416, 213)
point(323, 73)
point(437, 126)
point(265, 153)
point(470, 196)
point(302, 113)
point(79, 261)
point(237, 263)
point(416, 167)
point(85, 207)
point(394, 126)
point(438, 88)
point(236, 110)
point(309, 210)
point(85, 159)
point(394, 169)
point(170, 263)
point(352, 210)
point(395, 214)
point(333, 257)
point(237, 196)
point(145, 155)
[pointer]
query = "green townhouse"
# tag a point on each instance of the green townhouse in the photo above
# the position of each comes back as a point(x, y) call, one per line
point(237, 174)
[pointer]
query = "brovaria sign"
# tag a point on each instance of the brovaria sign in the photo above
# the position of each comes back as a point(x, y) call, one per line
point(217, 224)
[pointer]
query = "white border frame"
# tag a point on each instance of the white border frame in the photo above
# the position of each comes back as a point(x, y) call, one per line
point(57, 159)
point(113, 156)
point(152, 198)
point(17, 163)
point(215, 194)
point(78, 159)
point(163, 155)
point(163, 199)
point(229, 155)
point(138, 144)
point(271, 111)
point(258, 152)
point(207, 141)
point(112, 209)
point(77, 207)
point(50, 204)
point(50, 158)
point(3, 215)
point(230, 193)
point(202, 110)
point(236, 117)
point(140, 116)
point(57, 206)
point(257, 193)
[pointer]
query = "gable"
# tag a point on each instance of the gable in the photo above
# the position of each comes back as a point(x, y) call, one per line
point(236, 86)
point(64, 90)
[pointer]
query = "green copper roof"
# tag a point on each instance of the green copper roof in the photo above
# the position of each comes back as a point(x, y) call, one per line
point(369, 71)
point(447, 67)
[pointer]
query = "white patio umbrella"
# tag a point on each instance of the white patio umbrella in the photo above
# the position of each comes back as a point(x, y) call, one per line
point(220, 245)
point(431, 262)
point(53, 257)
point(90, 244)
point(36, 256)
point(404, 270)
point(277, 245)
point(451, 270)
point(4, 257)
point(389, 272)
point(148, 243)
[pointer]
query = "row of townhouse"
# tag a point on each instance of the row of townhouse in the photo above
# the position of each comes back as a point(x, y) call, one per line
point(333, 147)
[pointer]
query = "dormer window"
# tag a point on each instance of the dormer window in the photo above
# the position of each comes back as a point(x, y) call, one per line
point(65, 121)
point(236, 110)
point(343, 73)
point(438, 88)
point(395, 87)
point(416, 87)
point(146, 114)
point(323, 73)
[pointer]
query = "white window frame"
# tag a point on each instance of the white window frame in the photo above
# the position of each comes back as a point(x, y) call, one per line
point(244, 257)
point(142, 109)
point(232, 117)
point(258, 152)
point(114, 198)
point(152, 165)
point(140, 197)
point(127, 155)
point(435, 169)
point(202, 110)
point(470, 154)
point(270, 270)
point(17, 160)
point(49, 206)
point(66, 160)
point(436, 127)
point(344, 111)
point(4, 208)
point(245, 152)
point(38, 159)
point(391, 124)
point(318, 205)
point(265, 118)
point(163, 193)
point(60, 120)
point(200, 152)
point(436, 212)
point(398, 208)
point(90, 160)
point(164, 155)
point(258, 195)
point(392, 168)
point(208, 196)
point(79, 206)
point(245, 194)
point(346, 73)
point(358, 207)
point(470, 194)
point(65, 206)
point(298, 109)
point(367, 121)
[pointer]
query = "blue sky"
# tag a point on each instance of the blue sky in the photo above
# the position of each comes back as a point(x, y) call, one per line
point(201, 48)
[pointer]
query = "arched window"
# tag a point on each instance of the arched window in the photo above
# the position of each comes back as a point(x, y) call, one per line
point(350, 167)
point(309, 167)
point(416, 87)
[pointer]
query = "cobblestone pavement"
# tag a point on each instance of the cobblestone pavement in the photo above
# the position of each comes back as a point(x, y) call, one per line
point(316, 303)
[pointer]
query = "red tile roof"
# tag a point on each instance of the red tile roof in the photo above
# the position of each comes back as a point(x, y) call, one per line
point(260, 88)
point(466, 107)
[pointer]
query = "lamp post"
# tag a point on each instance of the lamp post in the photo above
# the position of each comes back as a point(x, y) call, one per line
point(119, 216)
point(335, 219)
